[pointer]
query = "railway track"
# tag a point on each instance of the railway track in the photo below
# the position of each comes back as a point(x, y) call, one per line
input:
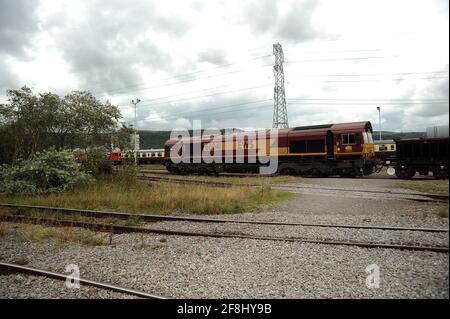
point(111, 228)
point(155, 218)
point(435, 197)
point(14, 268)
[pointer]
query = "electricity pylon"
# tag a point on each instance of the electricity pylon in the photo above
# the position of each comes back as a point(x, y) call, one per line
point(280, 117)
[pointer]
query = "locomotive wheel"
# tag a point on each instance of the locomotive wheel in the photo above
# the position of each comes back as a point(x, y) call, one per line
point(405, 173)
point(368, 170)
point(314, 172)
point(440, 173)
point(287, 171)
point(348, 173)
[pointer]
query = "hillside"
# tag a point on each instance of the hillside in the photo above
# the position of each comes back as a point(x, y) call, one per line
point(387, 135)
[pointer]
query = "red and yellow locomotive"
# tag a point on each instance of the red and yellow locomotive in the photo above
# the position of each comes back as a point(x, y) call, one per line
point(345, 149)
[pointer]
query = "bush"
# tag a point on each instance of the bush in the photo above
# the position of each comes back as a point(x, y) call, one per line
point(47, 172)
point(95, 161)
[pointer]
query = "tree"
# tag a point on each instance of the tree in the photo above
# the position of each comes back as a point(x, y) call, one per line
point(121, 138)
point(26, 119)
point(31, 123)
point(90, 120)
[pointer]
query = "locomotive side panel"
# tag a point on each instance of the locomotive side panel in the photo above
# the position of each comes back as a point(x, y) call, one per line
point(339, 149)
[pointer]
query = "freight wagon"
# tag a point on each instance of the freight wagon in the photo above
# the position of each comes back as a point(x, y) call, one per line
point(420, 155)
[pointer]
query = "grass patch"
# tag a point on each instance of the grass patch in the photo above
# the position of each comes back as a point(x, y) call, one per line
point(120, 194)
point(427, 186)
point(443, 212)
point(60, 236)
point(257, 179)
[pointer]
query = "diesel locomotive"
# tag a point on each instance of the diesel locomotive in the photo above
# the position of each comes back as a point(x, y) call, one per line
point(345, 149)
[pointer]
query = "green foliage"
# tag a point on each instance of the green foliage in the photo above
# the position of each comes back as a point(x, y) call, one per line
point(96, 161)
point(31, 123)
point(47, 172)
point(121, 138)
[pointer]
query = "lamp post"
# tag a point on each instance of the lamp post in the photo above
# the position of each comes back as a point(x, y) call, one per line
point(135, 128)
point(379, 119)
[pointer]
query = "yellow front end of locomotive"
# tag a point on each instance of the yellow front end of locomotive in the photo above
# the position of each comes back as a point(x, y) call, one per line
point(368, 151)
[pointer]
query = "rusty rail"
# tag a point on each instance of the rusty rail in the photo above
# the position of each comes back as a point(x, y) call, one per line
point(132, 229)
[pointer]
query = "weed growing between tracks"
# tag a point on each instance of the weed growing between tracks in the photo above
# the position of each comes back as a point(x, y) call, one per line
point(431, 186)
point(123, 192)
point(61, 237)
point(443, 212)
point(261, 180)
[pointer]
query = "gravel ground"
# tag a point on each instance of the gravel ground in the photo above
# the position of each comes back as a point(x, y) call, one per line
point(186, 267)
point(325, 233)
point(194, 267)
point(23, 286)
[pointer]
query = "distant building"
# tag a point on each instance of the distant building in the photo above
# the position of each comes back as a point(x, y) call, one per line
point(437, 131)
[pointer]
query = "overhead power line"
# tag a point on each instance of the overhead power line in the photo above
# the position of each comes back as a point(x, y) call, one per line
point(343, 59)
point(219, 107)
point(353, 99)
point(371, 74)
point(207, 95)
point(186, 75)
point(367, 103)
point(205, 112)
point(378, 80)
point(124, 90)
point(165, 118)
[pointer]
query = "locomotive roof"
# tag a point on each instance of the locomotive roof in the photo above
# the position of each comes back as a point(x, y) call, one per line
point(352, 126)
point(317, 129)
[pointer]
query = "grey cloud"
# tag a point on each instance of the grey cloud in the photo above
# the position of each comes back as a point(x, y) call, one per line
point(245, 115)
point(261, 15)
point(294, 26)
point(8, 80)
point(18, 24)
point(438, 89)
point(214, 56)
point(107, 48)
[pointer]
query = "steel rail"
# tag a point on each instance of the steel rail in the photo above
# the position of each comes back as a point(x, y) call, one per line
point(155, 218)
point(132, 229)
point(39, 272)
point(434, 196)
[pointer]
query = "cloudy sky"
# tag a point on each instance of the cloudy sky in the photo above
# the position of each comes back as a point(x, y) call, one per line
point(213, 60)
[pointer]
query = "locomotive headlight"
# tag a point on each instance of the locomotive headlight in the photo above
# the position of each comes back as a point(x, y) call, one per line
point(388, 162)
